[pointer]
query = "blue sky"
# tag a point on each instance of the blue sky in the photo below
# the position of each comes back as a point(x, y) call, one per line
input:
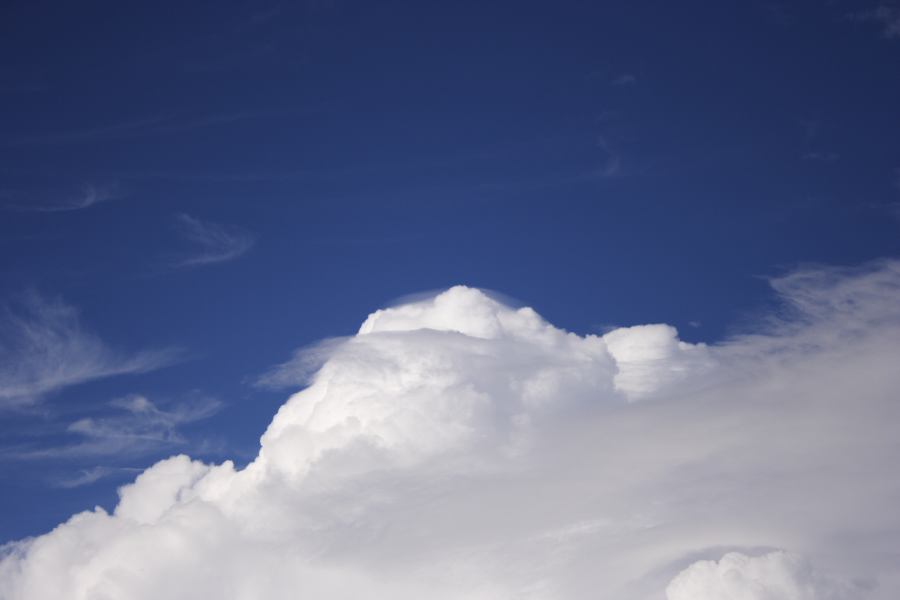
point(191, 193)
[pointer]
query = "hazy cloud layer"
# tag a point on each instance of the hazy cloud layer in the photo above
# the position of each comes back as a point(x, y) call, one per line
point(211, 242)
point(458, 448)
point(44, 348)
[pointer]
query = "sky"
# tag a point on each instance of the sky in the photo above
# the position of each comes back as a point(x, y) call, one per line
point(642, 256)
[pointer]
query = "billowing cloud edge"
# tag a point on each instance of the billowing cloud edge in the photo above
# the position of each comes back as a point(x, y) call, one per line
point(459, 448)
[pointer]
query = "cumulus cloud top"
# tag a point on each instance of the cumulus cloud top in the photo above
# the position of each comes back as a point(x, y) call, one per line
point(461, 309)
point(772, 576)
point(460, 448)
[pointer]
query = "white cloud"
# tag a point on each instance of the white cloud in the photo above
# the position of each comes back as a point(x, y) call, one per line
point(138, 427)
point(458, 448)
point(140, 127)
point(612, 161)
point(87, 196)
point(90, 475)
point(44, 348)
point(300, 368)
point(625, 79)
point(651, 357)
point(827, 157)
point(886, 14)
point(211, 242)
point(772, 576)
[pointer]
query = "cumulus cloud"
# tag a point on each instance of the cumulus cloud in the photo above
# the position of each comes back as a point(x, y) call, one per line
point(45, 348)
point(460, 448)
point(772, 576)
point(211, 242)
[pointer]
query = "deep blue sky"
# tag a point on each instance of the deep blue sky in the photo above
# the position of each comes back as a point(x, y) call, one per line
point(609, 163)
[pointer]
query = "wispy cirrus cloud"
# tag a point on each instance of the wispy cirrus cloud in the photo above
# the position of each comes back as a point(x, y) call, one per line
point(45, 348)
point(112, 131)
point(814, 156)
point(23, 87)
point(885, 14)
point(86, 196)
point(211, 242)
point(90, 475)
point(298, 370)
point(611, 165)
point(135, 128)
point(137, 426)
point(624, 79)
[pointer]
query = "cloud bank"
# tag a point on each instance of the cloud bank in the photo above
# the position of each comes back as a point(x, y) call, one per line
point(459, 448)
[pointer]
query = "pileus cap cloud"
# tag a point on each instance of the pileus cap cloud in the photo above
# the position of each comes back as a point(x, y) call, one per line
point(460, 448)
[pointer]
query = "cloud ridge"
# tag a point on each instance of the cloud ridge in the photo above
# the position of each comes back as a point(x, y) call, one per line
point(460, 448)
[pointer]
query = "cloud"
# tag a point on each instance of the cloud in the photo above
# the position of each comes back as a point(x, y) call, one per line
point(212, 243)
point(887, 15)
point(88, 196)
point(456, 447)
point(138, 427)
point(772, 576)
point(91, 475)
point(23, 87)
point(827, 157)
point(892, 209)
point(612, 163)
point(298, 370)
point(626, 79)
point(44, 348)
point(137, 128)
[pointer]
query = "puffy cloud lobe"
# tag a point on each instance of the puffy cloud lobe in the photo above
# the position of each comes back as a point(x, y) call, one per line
point(651, 357)
point(773, 576)
point(459, 448)
point(437, 376)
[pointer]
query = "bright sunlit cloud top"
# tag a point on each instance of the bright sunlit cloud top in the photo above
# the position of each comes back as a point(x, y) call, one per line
point(459, 448)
